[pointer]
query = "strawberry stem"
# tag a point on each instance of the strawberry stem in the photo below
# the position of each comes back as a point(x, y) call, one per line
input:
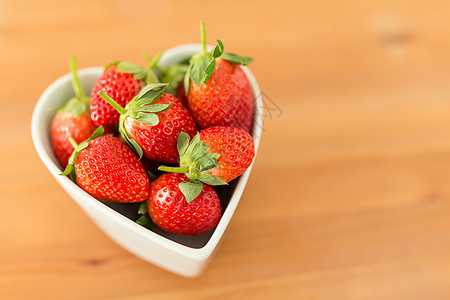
point(113, 103)
point(203, 36)
point(174, 169)
point(73, 142)
point(75, 81)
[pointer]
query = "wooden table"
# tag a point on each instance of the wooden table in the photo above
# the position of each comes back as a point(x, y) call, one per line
point(350, 194)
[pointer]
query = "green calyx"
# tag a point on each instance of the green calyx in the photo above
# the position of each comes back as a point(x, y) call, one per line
point(201, 66)
point(80, 103)
point(147, 74)
point(77, 148)
point(173, 76)
point(195, 161)
point(140, 109)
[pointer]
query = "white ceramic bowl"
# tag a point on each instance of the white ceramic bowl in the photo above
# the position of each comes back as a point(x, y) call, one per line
point(183, 255)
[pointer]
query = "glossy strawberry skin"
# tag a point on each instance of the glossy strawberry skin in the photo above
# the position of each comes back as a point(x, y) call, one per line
point(65, 125)
point(225, 100)
point(169, 209)
point(235, 146)
point(121, 87)
point(159, 142)
point(109, 170)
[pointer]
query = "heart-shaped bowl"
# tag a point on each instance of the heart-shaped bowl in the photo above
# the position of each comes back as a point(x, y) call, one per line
point(183, 255)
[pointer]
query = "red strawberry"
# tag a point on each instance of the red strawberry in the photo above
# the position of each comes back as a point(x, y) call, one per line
point(218, 91)
point(215, 156)
point(108, 169)
point(169, 209)
point(122, 87)
point(235, 146)
point(72, 119)
point(122, 81)
point(152, 121)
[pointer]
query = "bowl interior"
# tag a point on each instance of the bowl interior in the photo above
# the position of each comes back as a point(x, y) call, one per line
point(43, 115)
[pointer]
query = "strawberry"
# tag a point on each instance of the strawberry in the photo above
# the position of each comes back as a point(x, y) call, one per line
point(218, 91)
point(122, 81)
point(121, 86)
point(108, 169)
point(72, 119)
point(235, 147)
point(170, 210)
point(215, 156)
point(152, 121)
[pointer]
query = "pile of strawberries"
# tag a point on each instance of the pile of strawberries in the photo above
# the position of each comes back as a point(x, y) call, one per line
point(191, 122)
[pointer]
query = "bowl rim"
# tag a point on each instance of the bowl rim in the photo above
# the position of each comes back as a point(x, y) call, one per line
point(202, 253)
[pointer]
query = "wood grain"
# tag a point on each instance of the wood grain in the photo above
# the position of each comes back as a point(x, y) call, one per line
point(349, 197)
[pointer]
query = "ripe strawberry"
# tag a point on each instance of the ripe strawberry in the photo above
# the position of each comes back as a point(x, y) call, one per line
point(121, 86)
point(108, 169)
point(122, 81)
point(72, 119)
point(235, 146)
point(217, 89)
point(169, 209)
point(215, 156)
point(152, 121)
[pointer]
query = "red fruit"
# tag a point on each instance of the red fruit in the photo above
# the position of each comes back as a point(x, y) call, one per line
point(235, 146)
point(225, 100)
point(168, 208)
point(152, 121)
point(122, 87)
point(218, 91)
point(71, 120)
point(109, 170)
point(65, 125)
point(159, 142)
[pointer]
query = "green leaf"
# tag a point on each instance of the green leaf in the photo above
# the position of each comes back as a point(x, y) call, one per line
point(182, 142)
point(200, 63)
point(207, 162)
point(151, 76)
point(98, 132)
point(75, 106)
point(218, 50)
point(129, 68)
point(137, 148)
point(209, 70)
point(199, 150)
point(150, 93)
point(210, 179)
point(173, 76)
point(237, 59)
point(142, 208)
point(148, 118)
point(69, 166)
point(195, 140)
point(143, 220)
point(154, 108)
point(191, 189)
point(130, 142)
